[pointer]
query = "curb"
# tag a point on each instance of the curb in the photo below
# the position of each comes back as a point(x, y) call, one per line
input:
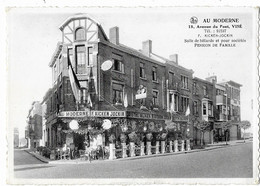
point(213, 147)
point(37, 157)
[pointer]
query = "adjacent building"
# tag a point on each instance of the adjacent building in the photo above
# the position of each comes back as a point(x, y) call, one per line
point(34, 121)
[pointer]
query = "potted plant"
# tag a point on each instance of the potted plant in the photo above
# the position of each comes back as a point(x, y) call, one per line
point(158, 138)
point(123, 142)
point(133, 139)
point(163, 138)
point(112, 149)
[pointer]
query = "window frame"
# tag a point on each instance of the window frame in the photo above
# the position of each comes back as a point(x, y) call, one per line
point(154, 74)
point(116, 90)
point(155, 101)
point(121, 66)
point(142, 73)
point(77, 59)
point(84, 34)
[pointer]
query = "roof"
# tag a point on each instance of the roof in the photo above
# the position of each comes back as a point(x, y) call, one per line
point(202, 80)
point(232, 83)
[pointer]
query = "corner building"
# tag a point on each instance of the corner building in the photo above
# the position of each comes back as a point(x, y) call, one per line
point(136, 94)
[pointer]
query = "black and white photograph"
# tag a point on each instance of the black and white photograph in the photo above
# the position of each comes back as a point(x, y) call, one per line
point(132, 95)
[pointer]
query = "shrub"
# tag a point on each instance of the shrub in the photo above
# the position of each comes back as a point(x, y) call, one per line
point(112, 138)
point(123, 138)
point(149, 137)
point(132, 137)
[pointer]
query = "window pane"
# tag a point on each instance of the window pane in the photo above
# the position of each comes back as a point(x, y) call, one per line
point(80, 34)
point(81, 61)
point(90, 56)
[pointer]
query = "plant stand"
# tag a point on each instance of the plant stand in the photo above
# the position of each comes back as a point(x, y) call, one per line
point(124, 155)
point(162, 147)
point(132, 149)
point(188, 145)
point(142, 149)
point(112, 151)
point(148, 148)
point(176, 146)
point(157, 147)
point(182, 145)
point(170, 146)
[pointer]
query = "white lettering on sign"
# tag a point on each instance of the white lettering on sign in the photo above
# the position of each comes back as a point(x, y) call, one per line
point(80, 114)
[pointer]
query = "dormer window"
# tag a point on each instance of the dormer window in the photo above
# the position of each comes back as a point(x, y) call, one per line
point(80, 34)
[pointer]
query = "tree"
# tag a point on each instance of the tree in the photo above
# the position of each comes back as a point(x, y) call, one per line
point(202, 126)
point(244, 125)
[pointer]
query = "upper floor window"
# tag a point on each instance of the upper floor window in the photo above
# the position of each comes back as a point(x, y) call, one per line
point(210, 108)
point(54, 72)
point(60, 65)
point(194, 87)
point(81, 59)
point(80, 34)
point(117, 93)
point(184, 103)
point(204, 90)
point(155, 98)
point(142, 70)
point(171, 78)
point(118, 65)
point(154, 74)
point(184, 82)
point(90, 56)
point(204, 108)
point(195, 107)
point(173, 102)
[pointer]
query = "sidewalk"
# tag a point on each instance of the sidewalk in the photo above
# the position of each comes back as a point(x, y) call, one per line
point(78, 161)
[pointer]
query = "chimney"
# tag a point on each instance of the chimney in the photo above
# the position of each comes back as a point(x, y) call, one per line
point(174, 58)
point(114, 35)
point(147, 48)
point(212, 79)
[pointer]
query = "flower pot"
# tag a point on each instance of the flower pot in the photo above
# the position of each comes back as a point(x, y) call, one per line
point(170, 145)
point(182, 145)
point(188, 145)
point(162, 147)
point(132, 149)
point(142, 149)
point(148, 148)
point(124, 155)
point(112, 151)
point(157, 148)
point(176, 146)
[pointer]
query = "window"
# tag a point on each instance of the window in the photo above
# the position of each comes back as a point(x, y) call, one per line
point(173, 102)
point(80, 34)
point(60, 95)
point(117, 93)
point(171, 78)
point(184, 103)
point(90, 56)
point(194, 87)
point(60, 65)
point(54, 72)
point(81, 60)
point(142, 71)
point(195, 107)
point(70, 52)
point(204, 90)
point(204, 108)
point(83, 92)
point(184, 82)
point(176, 102)
point(210, 109)
point(154, 74)
point(155, 98)
point(118, 65)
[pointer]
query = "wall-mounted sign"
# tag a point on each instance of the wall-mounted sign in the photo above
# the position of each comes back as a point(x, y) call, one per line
point(106, 124)
point(80, 114)
point(141, 92)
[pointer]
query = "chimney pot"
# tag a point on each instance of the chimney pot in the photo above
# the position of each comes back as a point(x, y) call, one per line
point(114, 35)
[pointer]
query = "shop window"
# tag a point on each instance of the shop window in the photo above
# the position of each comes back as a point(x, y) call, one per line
point(142, 70)
point(81, 59)
point(117, 93)
point(195, 107)
point(118, 65)
point(184, 81)
point(80, 34)
point(154, 74)
point(155, 98)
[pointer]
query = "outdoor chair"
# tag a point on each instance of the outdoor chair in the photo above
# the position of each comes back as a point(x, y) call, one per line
point(66, 154)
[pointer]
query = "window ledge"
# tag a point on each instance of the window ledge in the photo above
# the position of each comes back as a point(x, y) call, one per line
point(118, 71)
point(143, 78)
point(185, 89)
point(155, 81)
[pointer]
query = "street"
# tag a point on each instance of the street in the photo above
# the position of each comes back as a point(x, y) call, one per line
point(228, 162)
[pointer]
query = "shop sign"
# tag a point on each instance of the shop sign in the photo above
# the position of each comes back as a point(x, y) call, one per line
point(180, 118)
point(144, 115)
point(79, 114)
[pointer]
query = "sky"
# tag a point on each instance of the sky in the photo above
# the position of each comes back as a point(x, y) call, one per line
point(34, 32)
